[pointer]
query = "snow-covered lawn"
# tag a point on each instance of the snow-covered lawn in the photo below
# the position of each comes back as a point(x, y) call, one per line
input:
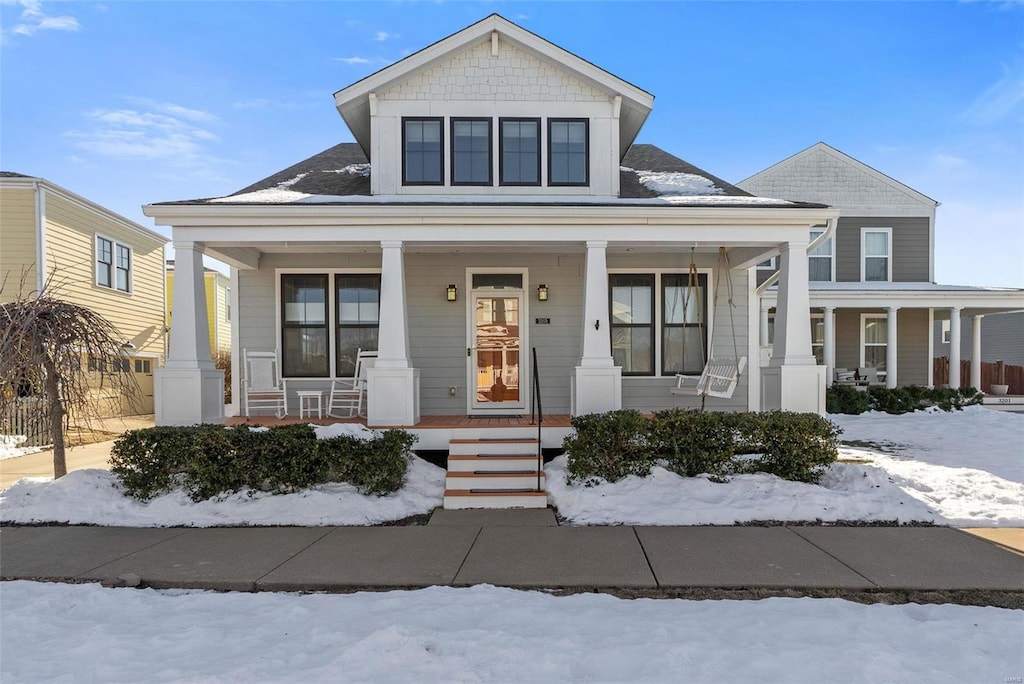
point(963, 468)
point(483, 633)
point(11, 446)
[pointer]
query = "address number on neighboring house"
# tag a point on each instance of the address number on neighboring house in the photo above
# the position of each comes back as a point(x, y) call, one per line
point(542, 321)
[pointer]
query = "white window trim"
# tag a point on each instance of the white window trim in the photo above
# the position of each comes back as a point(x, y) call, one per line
point(113, 266)
point(772, 265)
point(863, 323)
point(863, 256)
point(658, 273)
point(831, 256)
point(331, 315)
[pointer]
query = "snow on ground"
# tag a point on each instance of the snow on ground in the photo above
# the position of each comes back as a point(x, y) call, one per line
point(961, 469)
point(9, 446)
point(484, 633)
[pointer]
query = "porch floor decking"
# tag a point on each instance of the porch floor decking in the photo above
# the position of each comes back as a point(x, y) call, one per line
point(426, 422)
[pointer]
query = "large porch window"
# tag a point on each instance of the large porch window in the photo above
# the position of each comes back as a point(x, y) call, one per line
point(316, 317)
point(874, 340)
point(659, 311)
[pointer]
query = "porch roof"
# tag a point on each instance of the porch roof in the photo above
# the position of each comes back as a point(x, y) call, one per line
point(974, 300)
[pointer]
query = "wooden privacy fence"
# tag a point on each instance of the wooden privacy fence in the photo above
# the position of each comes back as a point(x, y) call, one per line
point(27, 416)
point(989, 374)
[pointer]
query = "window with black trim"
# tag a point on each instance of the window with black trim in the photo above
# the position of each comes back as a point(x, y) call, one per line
point(568, 152)
point(358, 318)
point(304, 344)
point(632, 323)
point(471, 152)
point(422, 145)
point(113, 264)
point(683, 320)
point(519, 151)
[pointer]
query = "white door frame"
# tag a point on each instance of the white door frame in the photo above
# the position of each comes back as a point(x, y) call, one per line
point(472, 407)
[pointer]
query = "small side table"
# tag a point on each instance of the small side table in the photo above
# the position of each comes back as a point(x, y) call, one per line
point(306, 407)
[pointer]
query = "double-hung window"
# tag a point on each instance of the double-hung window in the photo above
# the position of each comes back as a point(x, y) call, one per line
point(674, 322)
point(113, 264)
point(874, 340)
point(304, 326)
point(358, 306)
point(819, 259)
point(632, 323)
point(682, 333)
point(568, 152)
point(471, 151)
point(519, 151)
point(422, 145)
point(876, 259)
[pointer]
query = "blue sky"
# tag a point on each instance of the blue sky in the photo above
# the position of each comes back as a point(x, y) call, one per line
point(128, 103)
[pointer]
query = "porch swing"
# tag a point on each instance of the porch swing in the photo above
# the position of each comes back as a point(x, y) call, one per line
point(720, 376)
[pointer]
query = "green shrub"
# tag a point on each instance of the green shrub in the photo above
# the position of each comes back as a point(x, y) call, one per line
point(846, 399)
point(609, 445)
point(694, 442)
point(208, 460)
point(794, 446)
point(850, 400)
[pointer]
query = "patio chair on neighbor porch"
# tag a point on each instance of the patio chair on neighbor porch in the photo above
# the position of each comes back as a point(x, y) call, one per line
point(869, 374)
point(263, 387)
point(347, 393)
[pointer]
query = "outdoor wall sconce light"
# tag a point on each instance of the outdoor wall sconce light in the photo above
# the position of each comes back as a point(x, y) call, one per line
point(542, 293)
point(453, 293)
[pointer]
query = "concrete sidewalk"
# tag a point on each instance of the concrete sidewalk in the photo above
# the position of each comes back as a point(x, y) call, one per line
point(516, 549)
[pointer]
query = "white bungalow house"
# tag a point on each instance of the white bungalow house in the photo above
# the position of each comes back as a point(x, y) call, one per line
point(494, 202)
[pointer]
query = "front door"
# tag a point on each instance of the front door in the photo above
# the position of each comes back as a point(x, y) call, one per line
point(497, 365)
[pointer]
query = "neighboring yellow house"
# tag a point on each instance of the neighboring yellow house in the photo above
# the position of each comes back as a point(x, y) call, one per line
point(218, 307)
point(92, 257)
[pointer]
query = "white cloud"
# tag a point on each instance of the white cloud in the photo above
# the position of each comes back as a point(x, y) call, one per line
point(1002, 100)
point(948, 161)
point(149, 130)
point(353, 60)
point(34, 19)
point(382, 36)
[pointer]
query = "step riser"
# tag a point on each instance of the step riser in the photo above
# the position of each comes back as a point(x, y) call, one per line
point(506, 482)
point(495, 447)
point(509, 501)
point(491, 464)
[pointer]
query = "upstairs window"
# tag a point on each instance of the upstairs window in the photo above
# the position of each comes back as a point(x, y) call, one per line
point(421, 151)
point(819, 259)
point(519, 151)
point(113, 264)
point(876, 261)
point(471, 152)
point(568, 152)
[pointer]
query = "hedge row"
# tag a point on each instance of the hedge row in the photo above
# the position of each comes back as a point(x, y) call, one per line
point(850, 400)
point(208, 460)
point(610, 446)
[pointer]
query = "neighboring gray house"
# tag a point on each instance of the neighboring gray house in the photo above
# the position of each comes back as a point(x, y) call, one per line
point(873, 297)
point(1002, 338)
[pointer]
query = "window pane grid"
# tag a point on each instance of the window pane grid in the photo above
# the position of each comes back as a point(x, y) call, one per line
point(567, 152)
point(632, 323)
point(422, 151)
point(304, 318)
point(684, 345)
point(471, 151)
point(358, 317)
point(520, 152)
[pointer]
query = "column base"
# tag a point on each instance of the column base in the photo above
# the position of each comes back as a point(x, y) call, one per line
point(187, 396)
point(793, 388)
point(392, 397)
point(596, 390)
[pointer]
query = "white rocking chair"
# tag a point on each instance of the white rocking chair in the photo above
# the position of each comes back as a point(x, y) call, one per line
point(719, 379)
point(263, 386)
point(347, 393)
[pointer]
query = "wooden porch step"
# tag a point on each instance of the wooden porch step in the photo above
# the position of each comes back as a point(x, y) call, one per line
point(461, 447)
point(495, 481)
point(470, 463)
point(455, 499)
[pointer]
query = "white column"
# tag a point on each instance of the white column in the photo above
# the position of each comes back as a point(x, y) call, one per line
point(190, 325)
point(596, 384)
point(890, 347)
point(392, 385)
point(763, 328)
point(829, 343)
point(793, 381)
point(793, 309)
point(393, 345)
point(189, 389)
point(597, 345)
point(954, 347)
point(976, 352)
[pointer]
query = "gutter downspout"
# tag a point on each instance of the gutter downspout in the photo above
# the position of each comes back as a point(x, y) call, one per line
point(40, 191)
point(830, 229)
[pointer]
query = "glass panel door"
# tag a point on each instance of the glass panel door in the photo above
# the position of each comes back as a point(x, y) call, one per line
point(495, 351)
